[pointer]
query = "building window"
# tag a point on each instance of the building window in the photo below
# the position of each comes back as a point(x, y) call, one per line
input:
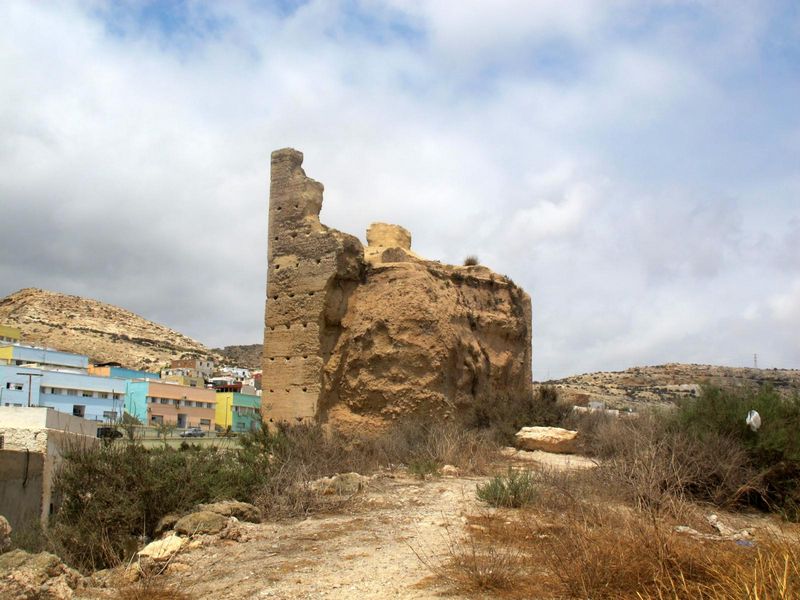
point(205, 422)
point(14, 386)
point(110, 414)
point(102, 394)
point(86, 394)
point(72, 392)
point(78, 410)
point(117, 396)
point(164, 401)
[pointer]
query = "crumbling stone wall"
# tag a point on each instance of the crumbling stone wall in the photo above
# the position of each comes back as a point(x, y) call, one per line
point(311, 272)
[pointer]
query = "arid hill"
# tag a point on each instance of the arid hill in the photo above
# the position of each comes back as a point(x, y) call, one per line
point(247, 355)
point(102, 331)
point(667, 383)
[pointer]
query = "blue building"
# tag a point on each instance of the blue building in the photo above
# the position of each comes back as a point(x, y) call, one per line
point(15, 355)
point(82, 395)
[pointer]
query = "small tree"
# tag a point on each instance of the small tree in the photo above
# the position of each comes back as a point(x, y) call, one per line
point(471, 261)
point(164, 430)
point(130, 426)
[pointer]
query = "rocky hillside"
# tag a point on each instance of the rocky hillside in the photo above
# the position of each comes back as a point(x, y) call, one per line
point(102, 331)
point(667, 383)
point(247, 356)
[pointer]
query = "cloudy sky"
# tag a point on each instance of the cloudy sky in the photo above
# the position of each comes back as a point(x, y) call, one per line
point(634, 165)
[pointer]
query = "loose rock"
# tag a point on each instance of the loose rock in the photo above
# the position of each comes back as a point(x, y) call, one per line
point(233, 508)
point(36, 576)
point(203, 521)
point(162, 550)
point(342, 484)
point(5, 534)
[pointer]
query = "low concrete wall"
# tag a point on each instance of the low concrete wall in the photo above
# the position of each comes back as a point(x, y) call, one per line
point(41, 417)
point(21, 487)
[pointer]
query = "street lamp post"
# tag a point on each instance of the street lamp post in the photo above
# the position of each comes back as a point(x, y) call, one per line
point(30, 377)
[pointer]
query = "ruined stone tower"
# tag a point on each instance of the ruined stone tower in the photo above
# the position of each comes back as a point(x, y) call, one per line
point(357, 337)
point(311, 272)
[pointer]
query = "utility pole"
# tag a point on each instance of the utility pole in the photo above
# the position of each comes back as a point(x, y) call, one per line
point(30, 377)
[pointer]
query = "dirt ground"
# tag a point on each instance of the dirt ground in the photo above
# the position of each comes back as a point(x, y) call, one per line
point(379, 545)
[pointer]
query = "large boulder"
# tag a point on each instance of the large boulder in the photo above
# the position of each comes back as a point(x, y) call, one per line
point(548, 439)
point(233, 508)
point(203, 521)
point(39, 576)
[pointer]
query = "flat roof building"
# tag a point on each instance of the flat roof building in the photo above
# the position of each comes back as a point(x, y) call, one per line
point(17, 355)
point(81, 395)
point(154, 403)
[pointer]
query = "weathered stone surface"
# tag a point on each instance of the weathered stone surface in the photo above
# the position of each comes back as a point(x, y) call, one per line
point(5, 534)
point(163, 549)
point(312, 272)
point(203, 521)
point(36, 576)
point(388, 236)
point(233, 508)
point(548, 439)
point(357, 337)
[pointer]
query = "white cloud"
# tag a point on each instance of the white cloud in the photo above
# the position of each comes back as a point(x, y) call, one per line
point(134, 166)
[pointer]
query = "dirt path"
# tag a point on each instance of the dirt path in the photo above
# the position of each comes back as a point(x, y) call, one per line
point(367, 553)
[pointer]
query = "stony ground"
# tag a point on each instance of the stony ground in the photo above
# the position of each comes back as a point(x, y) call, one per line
point(380, 544)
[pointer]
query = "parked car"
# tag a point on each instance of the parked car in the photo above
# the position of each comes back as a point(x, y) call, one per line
point(110, 433)
point(193, 432)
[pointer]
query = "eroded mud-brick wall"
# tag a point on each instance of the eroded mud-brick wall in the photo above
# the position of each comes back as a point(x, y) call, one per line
point(311, 272)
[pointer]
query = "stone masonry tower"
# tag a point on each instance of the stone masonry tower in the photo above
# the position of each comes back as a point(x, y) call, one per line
point(311, 272)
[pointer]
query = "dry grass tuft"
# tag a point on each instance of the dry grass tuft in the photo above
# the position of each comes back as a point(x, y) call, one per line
point(151, 588)
point(573, 544)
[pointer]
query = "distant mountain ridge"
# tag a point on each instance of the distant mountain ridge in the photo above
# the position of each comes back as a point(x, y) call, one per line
point(102, 331)
point(666, 384)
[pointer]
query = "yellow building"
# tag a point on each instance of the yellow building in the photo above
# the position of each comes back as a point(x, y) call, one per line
point(9, 335)
point(6, 355)
point(237, 412)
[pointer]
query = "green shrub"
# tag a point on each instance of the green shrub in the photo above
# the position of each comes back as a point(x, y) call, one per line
point(723, 411)
point(112, 495)
point(423, 467)
point(512, 490)
point(773, 451)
